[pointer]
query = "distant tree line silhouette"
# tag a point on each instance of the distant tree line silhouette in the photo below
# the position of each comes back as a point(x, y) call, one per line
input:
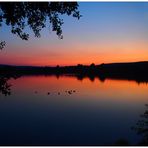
point(137, 71)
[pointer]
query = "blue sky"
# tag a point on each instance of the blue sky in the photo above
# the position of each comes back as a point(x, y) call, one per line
point(107, 32)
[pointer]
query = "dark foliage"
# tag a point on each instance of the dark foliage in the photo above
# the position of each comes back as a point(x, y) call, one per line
point(35, 15)
point(137, 71)
point(2, 44)
point(4, 86)
point(141, 127)
point(121, 142)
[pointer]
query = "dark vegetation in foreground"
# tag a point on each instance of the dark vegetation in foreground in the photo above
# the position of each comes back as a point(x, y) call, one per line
point(137, 71)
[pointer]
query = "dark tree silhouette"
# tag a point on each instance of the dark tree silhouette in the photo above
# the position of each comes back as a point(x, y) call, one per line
point(92, 65)
point(141, 127)
point(4, 86)
point(2, 44)
point(35, 15)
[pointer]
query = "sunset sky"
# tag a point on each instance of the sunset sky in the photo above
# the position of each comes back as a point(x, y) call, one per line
point(107, 32)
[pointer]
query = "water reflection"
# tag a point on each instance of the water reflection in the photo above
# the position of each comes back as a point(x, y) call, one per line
point(44, 110)
point(5, 86)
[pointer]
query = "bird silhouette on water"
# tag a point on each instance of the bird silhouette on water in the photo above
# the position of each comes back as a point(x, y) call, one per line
point(48, 93)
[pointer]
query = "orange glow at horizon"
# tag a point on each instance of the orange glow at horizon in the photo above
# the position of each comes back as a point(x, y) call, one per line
point(87, 57)
point(79, 54)
point(106, 33)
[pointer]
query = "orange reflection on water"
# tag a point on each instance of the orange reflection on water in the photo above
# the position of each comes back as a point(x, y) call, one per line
point(115, 90)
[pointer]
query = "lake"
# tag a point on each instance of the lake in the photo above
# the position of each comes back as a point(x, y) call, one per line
point(50, 110)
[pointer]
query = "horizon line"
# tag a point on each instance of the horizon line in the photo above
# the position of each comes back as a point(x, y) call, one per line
point(68, 65)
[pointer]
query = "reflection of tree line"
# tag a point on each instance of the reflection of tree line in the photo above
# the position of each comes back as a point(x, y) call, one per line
point(141, 126)
point(127, 71)
point(137, 71)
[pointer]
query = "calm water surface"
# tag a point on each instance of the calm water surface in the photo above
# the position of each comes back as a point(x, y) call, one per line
point(41, 111)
